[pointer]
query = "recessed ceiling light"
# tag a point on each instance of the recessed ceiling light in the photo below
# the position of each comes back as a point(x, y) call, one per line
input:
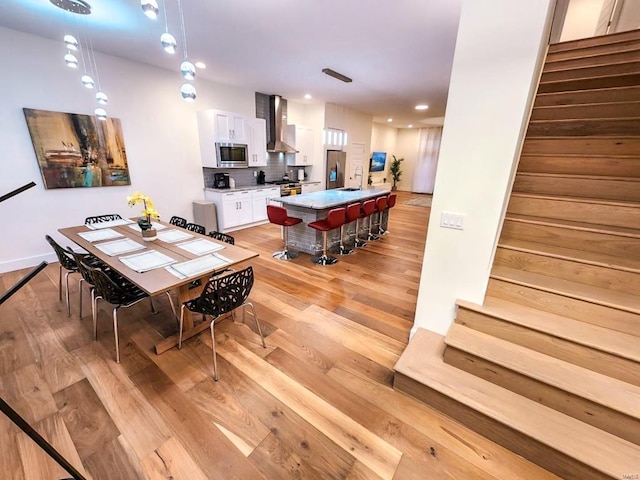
point(389, 119)
point(307, 97)
point(201, 65)
point(410, 126)
point(422, 107)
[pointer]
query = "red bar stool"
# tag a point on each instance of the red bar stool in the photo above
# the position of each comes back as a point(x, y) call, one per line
point(279, 216)
point(381, 205)
point(354, 213)
point(391, 202)
point(343, 249)
point(335, 219)
point(368, 209)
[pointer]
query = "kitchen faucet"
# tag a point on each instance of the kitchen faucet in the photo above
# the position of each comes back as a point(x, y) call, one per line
point(359, 173)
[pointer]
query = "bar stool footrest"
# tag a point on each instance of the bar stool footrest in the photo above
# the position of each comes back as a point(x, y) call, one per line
point(324, 259)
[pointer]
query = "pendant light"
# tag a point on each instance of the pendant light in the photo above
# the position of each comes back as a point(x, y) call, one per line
point(71, 42)
point(187, 68)
point(167, 40)
point(188, 92)
point(100, 113)
point(150, 8)
point(71, 60)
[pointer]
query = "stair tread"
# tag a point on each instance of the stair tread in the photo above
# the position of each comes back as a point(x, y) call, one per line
point(592, 258)
point(593, 336)
point(615, 394)
point(602, 451)
point(553, 63)
point(581, 291)
point(607, 229)
point(580, 43)
point(579, 176)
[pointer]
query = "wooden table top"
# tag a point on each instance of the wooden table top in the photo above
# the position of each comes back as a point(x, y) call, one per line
point(157, 280)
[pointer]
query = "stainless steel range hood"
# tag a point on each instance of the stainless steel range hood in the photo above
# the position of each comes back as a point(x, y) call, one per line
point(276, 143)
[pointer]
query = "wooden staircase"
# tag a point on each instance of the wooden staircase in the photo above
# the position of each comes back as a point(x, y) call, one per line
point(549, 365)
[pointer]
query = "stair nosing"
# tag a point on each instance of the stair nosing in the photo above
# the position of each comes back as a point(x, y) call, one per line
point(578, 432)
point(578, 176)
point(574, 335)
point(587, 227)
point(549, 61)
point(563, 293)
point(548, 370)
point(589, 119)
point(560, 198)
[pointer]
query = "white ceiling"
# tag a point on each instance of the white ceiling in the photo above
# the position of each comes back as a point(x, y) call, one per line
point(398, 52)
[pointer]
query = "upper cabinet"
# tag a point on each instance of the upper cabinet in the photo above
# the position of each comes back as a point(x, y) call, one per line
point(302, 139)
point(230, 127)
point(257, 142)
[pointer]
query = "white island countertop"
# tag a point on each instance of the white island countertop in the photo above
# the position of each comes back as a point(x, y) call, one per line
point(337, 197)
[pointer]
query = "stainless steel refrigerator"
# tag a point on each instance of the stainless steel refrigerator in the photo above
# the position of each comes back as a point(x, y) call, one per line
point(336, 168)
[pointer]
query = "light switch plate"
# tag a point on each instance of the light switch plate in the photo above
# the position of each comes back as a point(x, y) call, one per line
point(452, 220)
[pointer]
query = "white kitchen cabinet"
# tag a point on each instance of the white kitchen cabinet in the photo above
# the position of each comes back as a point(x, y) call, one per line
point(311, 187)
point(230, 127)
point(260, 200)
point(237, 209)
point(257, 142)
point(301, 138)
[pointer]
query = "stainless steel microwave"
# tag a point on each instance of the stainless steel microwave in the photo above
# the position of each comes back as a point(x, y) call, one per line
point(232, 155)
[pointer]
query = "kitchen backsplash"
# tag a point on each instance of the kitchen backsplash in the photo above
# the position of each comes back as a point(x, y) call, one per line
point(275, 169)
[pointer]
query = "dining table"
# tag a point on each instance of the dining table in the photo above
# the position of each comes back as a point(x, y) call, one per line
point(174, 261)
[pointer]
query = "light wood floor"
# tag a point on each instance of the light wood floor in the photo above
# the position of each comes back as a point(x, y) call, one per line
point(316, 403)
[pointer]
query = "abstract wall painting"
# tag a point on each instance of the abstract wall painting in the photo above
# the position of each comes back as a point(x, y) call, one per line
point(78, 150)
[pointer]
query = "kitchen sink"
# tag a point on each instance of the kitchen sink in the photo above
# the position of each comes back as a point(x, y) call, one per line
point(350, 189)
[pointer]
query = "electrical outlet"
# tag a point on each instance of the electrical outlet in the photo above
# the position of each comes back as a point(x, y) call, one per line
point(255, 174)
point(452, 220)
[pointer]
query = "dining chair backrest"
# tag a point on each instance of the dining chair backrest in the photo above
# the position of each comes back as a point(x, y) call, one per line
point(224, 294)
point(112, 292)
point(82, 260)
point(64, 257)
point(336, 217)
point(222, 237)
point(276, 214)
point(178, 222)
point(102, 218)
point(194, 227)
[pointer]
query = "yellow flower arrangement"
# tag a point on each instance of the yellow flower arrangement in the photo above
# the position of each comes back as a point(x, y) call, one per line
point(148, 211)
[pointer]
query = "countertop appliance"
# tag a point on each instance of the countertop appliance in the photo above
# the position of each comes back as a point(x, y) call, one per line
point(221, 180)
point(261, 177)
point(336, 166)
point(301, 174)
point(232, 155)
point(288, 188)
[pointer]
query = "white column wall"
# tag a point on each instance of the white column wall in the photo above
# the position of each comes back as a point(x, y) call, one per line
point(498, 53)
point(159, 129)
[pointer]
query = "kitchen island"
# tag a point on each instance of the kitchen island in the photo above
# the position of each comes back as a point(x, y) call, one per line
point(314, 206)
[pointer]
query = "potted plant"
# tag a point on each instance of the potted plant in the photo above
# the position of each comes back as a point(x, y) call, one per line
point(148, 213)
point(395, 171)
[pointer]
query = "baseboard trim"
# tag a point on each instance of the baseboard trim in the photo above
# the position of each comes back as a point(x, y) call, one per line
point(26, 262)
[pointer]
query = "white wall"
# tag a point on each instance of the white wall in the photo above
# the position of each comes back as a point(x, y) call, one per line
point(581, 20)
point(383, 139)
point(159, 131)
point(495, 73)
point(407, 148)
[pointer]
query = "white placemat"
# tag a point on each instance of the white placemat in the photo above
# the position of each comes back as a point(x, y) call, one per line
point(118, 247)
point(197, 266)
point(108, 224)
point(98, 235)
point(156, 225)
point(145, 261)
point(171, 236)
point(200, 246)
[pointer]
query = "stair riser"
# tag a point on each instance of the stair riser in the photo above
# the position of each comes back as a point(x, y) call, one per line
point(628, 80)
point(604, 188)
point(583, 97)
point(603, 277)
point(588, 73)
point(587, 46)
point(558, 147)
point(604, 166)
point(595, 213)
point(588, 112)
point(593, 313)
point(592, 359)
point(583, 128)
point(562, 465)
point(582, 409)
point(626, 247)
point(593, 59)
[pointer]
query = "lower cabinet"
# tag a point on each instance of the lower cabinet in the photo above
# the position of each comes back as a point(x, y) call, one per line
point(311, 187)
point(241, 207)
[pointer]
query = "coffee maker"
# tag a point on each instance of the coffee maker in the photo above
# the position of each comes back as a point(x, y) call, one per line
point(261, 177)
point(221, 180)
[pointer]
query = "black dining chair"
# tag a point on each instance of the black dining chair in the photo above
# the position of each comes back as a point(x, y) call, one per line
point(194, 227)
point(222, 295)
point(119, 292)
point(81, 260)
point(102, 218)
point(66, 261)
point(178, 222)
point(222, 237)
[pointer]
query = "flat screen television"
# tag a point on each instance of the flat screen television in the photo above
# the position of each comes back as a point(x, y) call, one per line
point(378, 160)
